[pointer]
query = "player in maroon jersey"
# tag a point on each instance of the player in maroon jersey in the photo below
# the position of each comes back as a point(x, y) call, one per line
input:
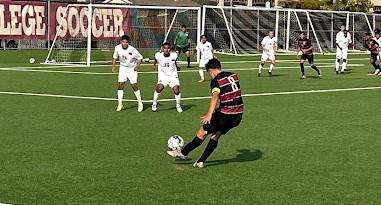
point(225, 89)
point(306, 47)
point(373, 47)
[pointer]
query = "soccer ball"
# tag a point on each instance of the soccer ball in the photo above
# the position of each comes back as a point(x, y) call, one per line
point(31, 60)
point(175, 142)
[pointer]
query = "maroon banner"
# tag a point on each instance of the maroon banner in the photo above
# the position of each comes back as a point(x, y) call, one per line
point(23, 20)
point(106, 23)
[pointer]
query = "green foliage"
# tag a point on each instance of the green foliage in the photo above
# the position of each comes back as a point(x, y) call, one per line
point(343, 5)
point(203, 2)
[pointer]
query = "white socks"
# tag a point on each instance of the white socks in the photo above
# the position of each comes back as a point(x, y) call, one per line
point(155, 97)
point(178, 99)
point(120, 96)
point(271, 67)
point(260, 68)
point(344, 66)
point(201, 72)
point(138, 97)
point(337, 65)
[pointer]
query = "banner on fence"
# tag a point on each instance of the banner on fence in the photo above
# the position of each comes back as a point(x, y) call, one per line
point(28, 20)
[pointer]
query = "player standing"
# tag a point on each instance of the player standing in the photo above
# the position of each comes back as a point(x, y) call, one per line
point(342, 45)
point(182, 42)
point(225, 89)
point(373, 47)
point(167, 75)
point(130, 60)
point(269, 46)
point(305, 46)
point(340, 35)
point(206, 49)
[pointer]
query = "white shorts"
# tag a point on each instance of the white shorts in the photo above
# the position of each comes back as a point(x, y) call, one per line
point(129, 74)
point(203, 62)
point(265, 56)
point(341, 54)
point(171, 81)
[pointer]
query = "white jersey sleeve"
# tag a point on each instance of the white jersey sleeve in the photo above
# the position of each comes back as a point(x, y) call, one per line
point(136, 54)
point(116, 55)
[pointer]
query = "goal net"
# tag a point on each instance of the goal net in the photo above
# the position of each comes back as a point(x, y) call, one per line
point(88, 34)
point(240, 30)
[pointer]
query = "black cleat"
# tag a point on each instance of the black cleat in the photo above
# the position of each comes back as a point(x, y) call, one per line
point(270, 74)
point(337, 72)
point(259, 74)
point(178, 68)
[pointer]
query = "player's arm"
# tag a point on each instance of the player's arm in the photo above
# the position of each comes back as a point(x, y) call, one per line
point(212, 106)
point(138, 57)
point(113, 61)
point(154, 64)
point(337, 45)
point(297, 51)
point(275, 47)
point(175, 41)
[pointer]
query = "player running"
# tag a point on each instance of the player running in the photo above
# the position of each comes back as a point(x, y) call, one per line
point(182, 42)
point(373, 47)
point(269, 46)
point(130, 60)
point(305, 46)
point(342, 45)
point(206, 49)
point(225, 89)
point(167, 75)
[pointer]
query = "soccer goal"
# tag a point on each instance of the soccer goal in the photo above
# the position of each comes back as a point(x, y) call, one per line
point(240, 30)
point(86, 34)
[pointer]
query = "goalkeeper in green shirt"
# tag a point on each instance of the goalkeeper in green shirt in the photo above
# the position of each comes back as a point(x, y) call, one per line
point(182, 42)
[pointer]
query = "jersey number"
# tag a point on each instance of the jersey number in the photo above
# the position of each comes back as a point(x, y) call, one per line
point(166, 64)
point(232, 83)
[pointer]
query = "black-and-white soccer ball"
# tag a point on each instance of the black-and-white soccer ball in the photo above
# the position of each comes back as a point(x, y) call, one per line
point(175, 142)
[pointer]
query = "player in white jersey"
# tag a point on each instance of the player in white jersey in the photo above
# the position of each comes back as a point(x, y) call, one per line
point(269, 46)
point(377, 38)
point(167, 75)
point(130, 60)
point(206, 49)
point(340, 34)
point(342, 45)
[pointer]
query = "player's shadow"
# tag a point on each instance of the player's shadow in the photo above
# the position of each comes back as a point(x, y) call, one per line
point(243, 155)
point(184, 107)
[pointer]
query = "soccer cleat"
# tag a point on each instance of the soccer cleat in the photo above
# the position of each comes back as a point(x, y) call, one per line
point(201, 80)
point(376, 72)
point(179, 109)
point(176, 154)
point(199, 164)
point(342, 72)
point(188, 66)
point(303, 77)
point(119, 108)
point(259, 74)
point(270, 74)
point(140, 107)
point(337, 72)
point(178, 68)
point(379, 73)
point(154, 107)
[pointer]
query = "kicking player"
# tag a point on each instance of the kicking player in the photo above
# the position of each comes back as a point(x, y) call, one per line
point(305, 46)
point(206, 49)
point(225, 89)
point(130, 60)
point(342, 45)
point(269, 46)
point(167, 75)
point(182, 42)
point(373, 47)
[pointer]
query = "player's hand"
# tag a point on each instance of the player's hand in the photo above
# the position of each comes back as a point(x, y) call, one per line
point(206, 119)
point(113, 70)
point(297, 55)
point(136, 68)
point(153, 67)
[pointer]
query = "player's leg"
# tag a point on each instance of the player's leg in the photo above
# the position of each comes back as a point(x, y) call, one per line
point(313, 66)
point(376, 66)
point(156, 94)
point(338, 57)
point(133, 78)
point(264, 58)
point(196, 142)
point(187, 53)
point(210, 147)
point(176, 91)
point(272, 65)
point(201, 70)
point(178, 51)
point(345, 61)
point(302, 59)
point(122, 78)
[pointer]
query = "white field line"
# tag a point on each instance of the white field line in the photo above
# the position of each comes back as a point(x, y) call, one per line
point(150, 72)
point(192, 98)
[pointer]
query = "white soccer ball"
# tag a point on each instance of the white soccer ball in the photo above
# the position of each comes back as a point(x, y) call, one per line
point(175, 142)
point(31, 60)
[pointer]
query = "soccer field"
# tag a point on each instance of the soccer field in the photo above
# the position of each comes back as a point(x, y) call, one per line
point(312, 141)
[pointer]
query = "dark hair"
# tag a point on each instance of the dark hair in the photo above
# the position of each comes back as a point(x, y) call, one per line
point(367, 34)
point(213, 64)
point(377, 30)
point(204, 35)
point(166, 44)
point(183, 26)
point(125, 37)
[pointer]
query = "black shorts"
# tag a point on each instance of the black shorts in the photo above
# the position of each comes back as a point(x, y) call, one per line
point(222, 123)
point(310, 58)
point(374, 56)
point(183, 49)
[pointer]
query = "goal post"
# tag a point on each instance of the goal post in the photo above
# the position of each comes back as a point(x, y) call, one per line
point(86, 34)
point(239, 30)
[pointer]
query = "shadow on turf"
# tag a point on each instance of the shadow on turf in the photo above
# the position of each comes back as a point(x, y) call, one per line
point(184, 107)
point(243, 155)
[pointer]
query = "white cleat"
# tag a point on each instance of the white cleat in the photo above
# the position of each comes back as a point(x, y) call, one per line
point(376, 72)
point(119, 108)
point(199, 164)
point(154, 107)
point(176, 154)
point(179, 109)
